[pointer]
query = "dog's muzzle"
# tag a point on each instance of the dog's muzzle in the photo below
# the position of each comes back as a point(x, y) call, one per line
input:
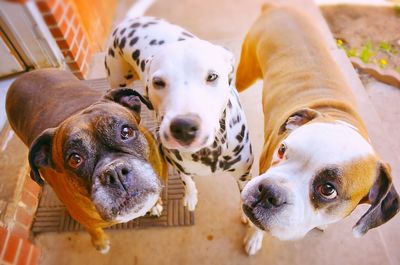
point(184, 129)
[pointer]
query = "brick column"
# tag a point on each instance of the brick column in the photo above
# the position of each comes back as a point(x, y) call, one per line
point(64, 23)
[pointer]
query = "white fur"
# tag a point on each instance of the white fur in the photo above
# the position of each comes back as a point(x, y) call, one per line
point(190, 198)
point(310, 148)
point(253, 240)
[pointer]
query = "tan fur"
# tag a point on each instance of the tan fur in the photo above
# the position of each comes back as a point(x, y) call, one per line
point(298, 72)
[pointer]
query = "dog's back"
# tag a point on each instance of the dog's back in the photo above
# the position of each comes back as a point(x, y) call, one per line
point(42, 99)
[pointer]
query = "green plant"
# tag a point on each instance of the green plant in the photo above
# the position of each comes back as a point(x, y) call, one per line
point(397, 9)
point(366, 52)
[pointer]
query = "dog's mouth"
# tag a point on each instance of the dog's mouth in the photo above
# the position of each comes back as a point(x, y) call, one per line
point(250, 214)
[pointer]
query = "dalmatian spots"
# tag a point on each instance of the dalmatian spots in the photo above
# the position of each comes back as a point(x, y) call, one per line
point(135, 55)
point(136, 41)
point(133, 41)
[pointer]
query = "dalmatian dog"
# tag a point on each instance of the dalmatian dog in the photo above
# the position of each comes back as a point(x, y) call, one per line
point(188, 82)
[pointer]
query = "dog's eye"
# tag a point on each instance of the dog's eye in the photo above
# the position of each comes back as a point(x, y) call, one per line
point(75, 160)
point(158, 83)
point(127, 132)
point(327, 190)
point(282, 150)
point(211, 77)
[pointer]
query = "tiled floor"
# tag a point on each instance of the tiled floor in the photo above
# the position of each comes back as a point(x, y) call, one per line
point(217, 236)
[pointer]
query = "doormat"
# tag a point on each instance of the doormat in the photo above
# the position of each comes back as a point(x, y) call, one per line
point(52, 216)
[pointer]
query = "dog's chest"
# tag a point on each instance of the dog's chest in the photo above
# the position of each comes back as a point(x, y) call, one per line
point(231, 147)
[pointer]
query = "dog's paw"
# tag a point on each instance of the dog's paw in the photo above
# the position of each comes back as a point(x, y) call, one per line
point(156, 210)
point(253, 241)
point(102, 246)
point(190, 201)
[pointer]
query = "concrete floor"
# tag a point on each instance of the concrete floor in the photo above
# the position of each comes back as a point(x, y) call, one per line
point(218, 234)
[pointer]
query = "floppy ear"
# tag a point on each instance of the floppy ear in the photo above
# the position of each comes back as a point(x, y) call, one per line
point(384, 202)
point(298, 118)
point(129, 98)
point(40, 154)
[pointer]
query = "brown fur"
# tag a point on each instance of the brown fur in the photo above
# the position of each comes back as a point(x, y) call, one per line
point(51, 98)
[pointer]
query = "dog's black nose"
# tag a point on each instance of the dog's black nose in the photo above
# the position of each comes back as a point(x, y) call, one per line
point(271, 195)
point(117, 176)
point(185, 128)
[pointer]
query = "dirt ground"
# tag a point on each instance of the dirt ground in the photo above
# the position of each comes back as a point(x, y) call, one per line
point(368, 32)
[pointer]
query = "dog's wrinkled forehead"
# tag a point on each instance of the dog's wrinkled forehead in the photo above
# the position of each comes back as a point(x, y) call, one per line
point(191, 57)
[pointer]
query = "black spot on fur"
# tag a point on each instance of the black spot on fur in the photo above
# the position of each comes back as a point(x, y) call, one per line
point(122, 43)
point(135, 55)
point(142, 65)
point(135, 25)
point(149, 24)
point(111, 52)
point(177, 154)
point(228, 164)
point(137, 62)
point(131, 33)
point(161, 42)
point(115, 32)
point(195, 157)
point(147, 90)
point(181, 39)
point(247, 136)
point(187, 34)
point(122, 85)
point(240, 135)
point(238, 149)
point(123, 31)
point(133, 41)
point(107, 68)
point(153, 42)
point(226, 157)
point(229, 104)
point(129, 76)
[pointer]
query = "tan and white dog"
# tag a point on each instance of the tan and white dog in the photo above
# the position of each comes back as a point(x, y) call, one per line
point(317, 162)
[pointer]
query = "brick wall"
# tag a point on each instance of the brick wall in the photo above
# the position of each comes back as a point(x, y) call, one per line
point(15, 246)
point(64, 24)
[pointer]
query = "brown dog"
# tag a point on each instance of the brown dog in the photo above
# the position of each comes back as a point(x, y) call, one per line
point(317, 163)
point(90, 148)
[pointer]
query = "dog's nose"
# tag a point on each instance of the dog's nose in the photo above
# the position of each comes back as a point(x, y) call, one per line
point(185, 128)
point(271, 195)
point(117, 176)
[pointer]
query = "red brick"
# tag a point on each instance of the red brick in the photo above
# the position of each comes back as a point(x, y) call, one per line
point(43, 7)
point(73, 67)
point(20, 231)
point(50, 3)
point(11, 248)
point(24, 252)
point(3, 237)
point(29, 200)
point(50, 20)
point(63, 25)
point(70, 13)
point(59, 12)
point(56, 32)
point(23, 217)
point(74, 50)
point(31, 186)
point(70, 37)
point(63, 45)
point(35, 254)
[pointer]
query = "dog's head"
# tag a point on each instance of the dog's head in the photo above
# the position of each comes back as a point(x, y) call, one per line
point(188, 84)
point(105, 153)
point(320, 171)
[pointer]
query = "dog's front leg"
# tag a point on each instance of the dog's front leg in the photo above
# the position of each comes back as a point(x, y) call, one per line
point(242, 177)
point(190, 198)
point(156, 210)
point(253, 240)
point(99, 239)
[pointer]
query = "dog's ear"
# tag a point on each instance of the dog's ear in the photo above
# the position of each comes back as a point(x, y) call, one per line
point(298, 118)
point(384, 202)
point(129, 98)
point(40, 154)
